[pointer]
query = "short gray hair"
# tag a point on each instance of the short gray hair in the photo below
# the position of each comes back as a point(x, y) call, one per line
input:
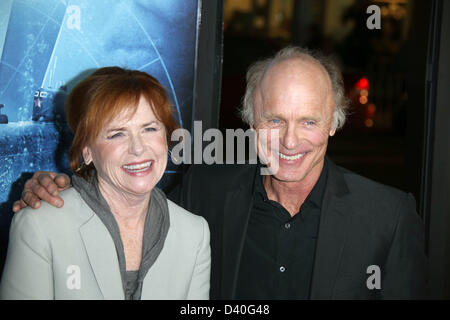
point(257, 70)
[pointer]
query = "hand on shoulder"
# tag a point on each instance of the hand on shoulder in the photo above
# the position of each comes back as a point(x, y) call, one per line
point(44, 185)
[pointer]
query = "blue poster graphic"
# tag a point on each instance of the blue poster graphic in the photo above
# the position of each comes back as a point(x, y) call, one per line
point(47, 46)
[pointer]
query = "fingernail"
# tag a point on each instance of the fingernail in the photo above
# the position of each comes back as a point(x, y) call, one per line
point(34, 204)
point(58, 203)
point(55, 193)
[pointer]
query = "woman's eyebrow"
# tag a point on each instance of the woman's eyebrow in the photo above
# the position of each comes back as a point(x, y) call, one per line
point(115, 129)
point(150, 123)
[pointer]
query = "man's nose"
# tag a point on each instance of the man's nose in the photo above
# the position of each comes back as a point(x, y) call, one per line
point(289, 137)
point(136, 145)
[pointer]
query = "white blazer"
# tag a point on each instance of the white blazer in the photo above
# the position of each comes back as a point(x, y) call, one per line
point(67, 253)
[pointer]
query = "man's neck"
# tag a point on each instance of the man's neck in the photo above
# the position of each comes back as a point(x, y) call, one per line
point(291, 195)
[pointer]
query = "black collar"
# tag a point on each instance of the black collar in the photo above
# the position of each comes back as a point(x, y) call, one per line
point(315, 196)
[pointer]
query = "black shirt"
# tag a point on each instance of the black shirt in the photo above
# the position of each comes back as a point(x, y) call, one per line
point(278, 254)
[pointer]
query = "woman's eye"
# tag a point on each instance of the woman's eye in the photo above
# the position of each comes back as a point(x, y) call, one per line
point(150, 129)
point(275, 121)
point(116, 135)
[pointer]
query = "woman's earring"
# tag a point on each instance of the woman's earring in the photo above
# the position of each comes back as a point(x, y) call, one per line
point(81, 166)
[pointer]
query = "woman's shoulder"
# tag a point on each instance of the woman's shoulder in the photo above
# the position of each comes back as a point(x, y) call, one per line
point(187, 228)
point(74, 208)
point(179, 215)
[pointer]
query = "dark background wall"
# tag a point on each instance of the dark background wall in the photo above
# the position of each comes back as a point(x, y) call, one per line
point(436, 183)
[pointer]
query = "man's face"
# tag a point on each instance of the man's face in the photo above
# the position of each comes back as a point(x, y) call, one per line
point(294, 102)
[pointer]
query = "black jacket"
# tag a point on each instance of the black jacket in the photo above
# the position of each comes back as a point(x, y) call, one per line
point(363, 223)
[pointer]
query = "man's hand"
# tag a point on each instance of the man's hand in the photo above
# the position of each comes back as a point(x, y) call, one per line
point(44, 186)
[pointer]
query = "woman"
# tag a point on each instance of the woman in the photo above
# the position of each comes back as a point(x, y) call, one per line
point(117, 237)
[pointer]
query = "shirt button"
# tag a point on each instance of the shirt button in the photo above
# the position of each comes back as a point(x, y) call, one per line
point(282, 269)
point(287, 225)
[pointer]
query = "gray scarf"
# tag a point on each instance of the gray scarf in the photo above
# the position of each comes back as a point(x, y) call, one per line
point(155, 231)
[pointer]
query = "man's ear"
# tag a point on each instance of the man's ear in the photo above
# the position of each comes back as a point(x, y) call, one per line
point(332, 132)
point(87, 155)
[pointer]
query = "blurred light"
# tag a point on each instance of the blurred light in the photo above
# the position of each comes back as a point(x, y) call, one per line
point(259, 22)
point(371, 108)
point(363, 99)
point(393, 8)
point(364, 93)
point(362, 84)
point(368, 123)
point(399, 14)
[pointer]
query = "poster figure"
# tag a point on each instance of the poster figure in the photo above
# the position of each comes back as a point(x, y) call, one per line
point(47, 46)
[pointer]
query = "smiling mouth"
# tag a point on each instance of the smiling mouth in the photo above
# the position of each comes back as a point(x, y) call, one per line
point(135, 168)
point(291, 158)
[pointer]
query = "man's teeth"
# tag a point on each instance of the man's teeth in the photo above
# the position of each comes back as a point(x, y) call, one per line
point(138, 167)
point(297, 156)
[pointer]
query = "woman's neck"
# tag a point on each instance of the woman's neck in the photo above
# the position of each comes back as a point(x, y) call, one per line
point(129, 210)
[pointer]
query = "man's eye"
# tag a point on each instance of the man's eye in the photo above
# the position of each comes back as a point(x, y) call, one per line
point(275, 121)
point(310, 123)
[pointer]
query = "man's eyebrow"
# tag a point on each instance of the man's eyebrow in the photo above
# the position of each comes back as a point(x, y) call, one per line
point(310, 118)
point(269, 115)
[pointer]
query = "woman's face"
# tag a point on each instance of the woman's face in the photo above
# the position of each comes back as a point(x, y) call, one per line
point(130, 153)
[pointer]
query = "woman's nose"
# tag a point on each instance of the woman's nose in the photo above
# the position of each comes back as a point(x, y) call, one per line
point(136, 146)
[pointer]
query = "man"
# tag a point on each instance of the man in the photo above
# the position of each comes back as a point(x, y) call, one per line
point(309, 230)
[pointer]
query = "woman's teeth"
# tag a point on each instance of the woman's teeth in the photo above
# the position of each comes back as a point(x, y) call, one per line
point(138, 167)
point(295, 157)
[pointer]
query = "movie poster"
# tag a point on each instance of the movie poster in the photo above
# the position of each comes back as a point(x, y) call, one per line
point(47, 46)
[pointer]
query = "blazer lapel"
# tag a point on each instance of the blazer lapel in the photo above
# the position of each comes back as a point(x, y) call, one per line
point(237, 208)
point(333, 229)
point(103, 258)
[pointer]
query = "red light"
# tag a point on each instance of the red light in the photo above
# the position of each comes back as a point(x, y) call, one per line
point(362, 84)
